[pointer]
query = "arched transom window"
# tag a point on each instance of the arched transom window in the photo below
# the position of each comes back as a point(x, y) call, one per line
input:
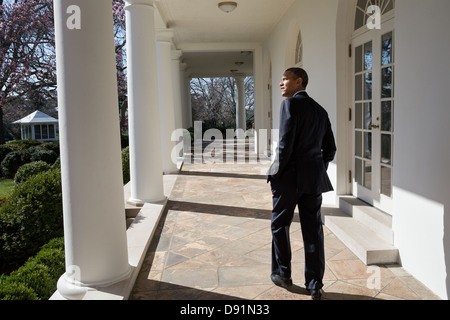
point(299, 50)
point(362, 15)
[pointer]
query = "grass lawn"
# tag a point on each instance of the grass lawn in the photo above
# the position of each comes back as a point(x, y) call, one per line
point(6, 186)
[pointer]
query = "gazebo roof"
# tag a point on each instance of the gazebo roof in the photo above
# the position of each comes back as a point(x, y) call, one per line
point(37, 117)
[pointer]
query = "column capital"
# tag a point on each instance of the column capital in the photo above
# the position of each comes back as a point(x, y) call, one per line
point(164, 35)
point(176, 54)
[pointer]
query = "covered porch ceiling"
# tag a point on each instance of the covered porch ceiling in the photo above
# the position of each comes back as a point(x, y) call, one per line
point(215, 43)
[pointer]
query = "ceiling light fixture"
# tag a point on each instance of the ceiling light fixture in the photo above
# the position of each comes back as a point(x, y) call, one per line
point(227, 6)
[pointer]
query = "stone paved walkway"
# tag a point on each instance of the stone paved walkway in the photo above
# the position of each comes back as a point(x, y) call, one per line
point(214, 242)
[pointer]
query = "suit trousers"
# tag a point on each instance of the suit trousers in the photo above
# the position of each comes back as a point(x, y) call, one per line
point(285, 198)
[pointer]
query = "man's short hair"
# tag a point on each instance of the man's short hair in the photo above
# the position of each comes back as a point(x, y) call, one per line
point(300, 73)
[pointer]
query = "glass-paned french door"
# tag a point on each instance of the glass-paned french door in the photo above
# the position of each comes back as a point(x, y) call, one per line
point(373, 121)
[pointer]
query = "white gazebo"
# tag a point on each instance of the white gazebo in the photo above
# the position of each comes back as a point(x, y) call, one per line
point(38, 126)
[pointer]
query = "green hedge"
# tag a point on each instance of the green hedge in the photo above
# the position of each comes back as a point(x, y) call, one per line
point(31, 217)
point(22, 144)
point(14, 154)
point(126, 165)
point(4, 150)
point(30, 169)
point(13, 161)
point(37, 278)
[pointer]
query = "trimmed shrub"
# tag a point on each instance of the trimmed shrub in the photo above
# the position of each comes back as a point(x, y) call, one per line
point(13, 161)
point(41, 154)
point(52, 146)
point(30, 169)
point(22, 144)
point(17, 291)
point(126, 165)
point(52, 255)
point(4, 150)
point(37, 278)
point(31, 217)
point(57, 164)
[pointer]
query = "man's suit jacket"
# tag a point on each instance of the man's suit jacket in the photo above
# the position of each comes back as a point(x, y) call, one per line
point(306, 145)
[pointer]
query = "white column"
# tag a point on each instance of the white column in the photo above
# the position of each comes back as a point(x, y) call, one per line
point(259, 110)
point(176, 74)
point(146, 180)
point(240, 107)
point(187, 102)
point(91, 167)
point(185, 117)
point(166, 97)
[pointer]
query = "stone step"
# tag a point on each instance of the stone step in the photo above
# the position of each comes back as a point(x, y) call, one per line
point(361, 240)
point(376, 220)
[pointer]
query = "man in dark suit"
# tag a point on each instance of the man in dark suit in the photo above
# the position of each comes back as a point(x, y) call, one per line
point(298, 177)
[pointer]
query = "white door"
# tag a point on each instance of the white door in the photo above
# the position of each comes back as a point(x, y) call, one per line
point(373, 120)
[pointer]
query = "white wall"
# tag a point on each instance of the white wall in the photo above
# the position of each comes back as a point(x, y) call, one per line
point(422, 141)
point(317, 21)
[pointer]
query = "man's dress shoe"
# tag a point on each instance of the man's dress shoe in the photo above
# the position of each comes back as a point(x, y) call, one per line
point(280, 281)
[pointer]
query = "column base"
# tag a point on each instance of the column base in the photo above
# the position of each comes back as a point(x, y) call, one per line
point(72, 289)
point(140, 202)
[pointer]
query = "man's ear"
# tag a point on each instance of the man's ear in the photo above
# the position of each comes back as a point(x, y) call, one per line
point(300, 82)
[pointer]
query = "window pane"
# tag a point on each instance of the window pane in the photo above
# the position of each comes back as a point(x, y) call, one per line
point(368, 56)
point(358, 171)
point(386, 147)
point(51, 131)
point(386, 49)
point(386, 82)
point(359, 116)
point(386, 116)
point(358, 59)
point(368, 86)
point(367, 115)
point(37, 132)
point(359, 19)
point(368, 145)
point(389, 6)
point(386, 181)
point(358, 144)
point(358, 88)
point(299, 49)
point(44, 131)
point(368, 174)
point(362, 4)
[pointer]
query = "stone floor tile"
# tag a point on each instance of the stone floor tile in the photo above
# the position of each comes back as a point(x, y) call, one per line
point(341, 290)
point(244, 275)
point(348, 269)
point(399, 289)
point(243, 292)
point(419, 288)
point(205, 277)
point(276, 293)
